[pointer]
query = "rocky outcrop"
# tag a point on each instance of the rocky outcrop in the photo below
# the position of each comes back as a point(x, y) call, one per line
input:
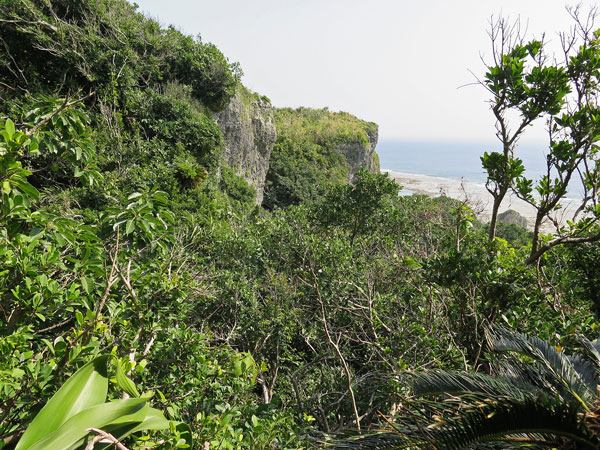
point(249, 131)
point(512, 216)
point(249, 134)
point(361, 154)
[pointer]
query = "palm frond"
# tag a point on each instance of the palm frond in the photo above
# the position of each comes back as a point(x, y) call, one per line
point(492, 423)
point(457, 383)
point(383, 439)
point(539, 397)
point(557, 364)
point(588, 362)
point(504, 419)
point(509, 367)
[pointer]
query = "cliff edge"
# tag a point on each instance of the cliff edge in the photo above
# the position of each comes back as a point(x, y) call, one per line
point(249, 134)
point(292, 155)
point(316, 148)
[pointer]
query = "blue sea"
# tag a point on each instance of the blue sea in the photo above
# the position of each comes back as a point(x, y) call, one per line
point(457, 160)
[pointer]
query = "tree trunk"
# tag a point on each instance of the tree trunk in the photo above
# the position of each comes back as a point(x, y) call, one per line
point(496, 207)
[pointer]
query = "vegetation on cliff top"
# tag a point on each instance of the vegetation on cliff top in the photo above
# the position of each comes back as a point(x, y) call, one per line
point(306, 158)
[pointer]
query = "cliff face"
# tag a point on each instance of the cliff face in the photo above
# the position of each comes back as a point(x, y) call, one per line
point(361, 154)
point(316, 148)
point(313, 147)
point(249, 134)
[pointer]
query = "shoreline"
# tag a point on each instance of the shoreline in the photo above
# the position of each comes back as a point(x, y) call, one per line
point(477, 197)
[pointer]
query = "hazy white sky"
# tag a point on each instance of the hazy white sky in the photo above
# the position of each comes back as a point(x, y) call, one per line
point(398, 63)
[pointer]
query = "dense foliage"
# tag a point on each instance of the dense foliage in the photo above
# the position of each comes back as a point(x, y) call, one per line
point(536, 397)
point(125, 239)
point(149, 94)
point(307, 157)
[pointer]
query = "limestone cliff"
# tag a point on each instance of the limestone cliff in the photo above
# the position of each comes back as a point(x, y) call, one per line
point(360, 153)
point(512, 216)
point(249, 134)
point(314, 149)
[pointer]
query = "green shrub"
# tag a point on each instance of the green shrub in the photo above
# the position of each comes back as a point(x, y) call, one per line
point(236, 187)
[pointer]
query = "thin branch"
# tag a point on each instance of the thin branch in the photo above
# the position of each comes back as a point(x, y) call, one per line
point(103, 438)
point(65, 105)
point(336, 347)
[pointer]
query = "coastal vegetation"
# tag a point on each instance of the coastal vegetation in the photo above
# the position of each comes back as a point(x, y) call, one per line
point(306, 157)
point(146, 298)
point(527, 84)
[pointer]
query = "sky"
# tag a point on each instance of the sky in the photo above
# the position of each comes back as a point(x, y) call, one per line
point(408, 65)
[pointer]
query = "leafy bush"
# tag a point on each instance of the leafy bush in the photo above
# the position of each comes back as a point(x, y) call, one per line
point(212, 78)
point(108, 47)
point(78, 413)
point(74, 286)
point(174, 121)
point(236, 187)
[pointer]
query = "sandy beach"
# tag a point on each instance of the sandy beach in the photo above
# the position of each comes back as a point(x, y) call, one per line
point(476, 196)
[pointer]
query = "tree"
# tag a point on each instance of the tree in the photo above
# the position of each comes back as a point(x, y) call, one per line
point(538, 397)
point(360, 206)
point(527, 84)
point(75, 284)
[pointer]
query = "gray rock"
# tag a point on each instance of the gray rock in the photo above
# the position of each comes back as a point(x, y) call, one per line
point(359, 154)
point(249, 135)
point(512, 216)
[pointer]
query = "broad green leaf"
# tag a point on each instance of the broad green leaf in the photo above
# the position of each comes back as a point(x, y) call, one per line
point(9, 126)
point(161, 196)
point(87, 387)
point(79, 318)
point(72, 433)
point(237, 368)
point(124, 382)
point(129, 227)
point(85, 284)
point(27, 188)
point(154, 420)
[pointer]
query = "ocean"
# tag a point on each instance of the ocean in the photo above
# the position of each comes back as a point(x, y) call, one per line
point(457, 160)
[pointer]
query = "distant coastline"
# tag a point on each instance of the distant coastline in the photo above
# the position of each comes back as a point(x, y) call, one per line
point(439, 159)
point(454, 159)
point(458, 160)
point(475, 195)
point(454, 169)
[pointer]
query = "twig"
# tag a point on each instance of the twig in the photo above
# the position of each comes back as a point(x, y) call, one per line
point(104, 438)
point(64, 322)
point(65, 105)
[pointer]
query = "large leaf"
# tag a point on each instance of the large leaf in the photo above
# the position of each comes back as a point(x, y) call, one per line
point(556, 364)
point(86, 388)
point(437, 382)
point(154, 420)
point(124, 382)
point(72, 433)
point(9, 126)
